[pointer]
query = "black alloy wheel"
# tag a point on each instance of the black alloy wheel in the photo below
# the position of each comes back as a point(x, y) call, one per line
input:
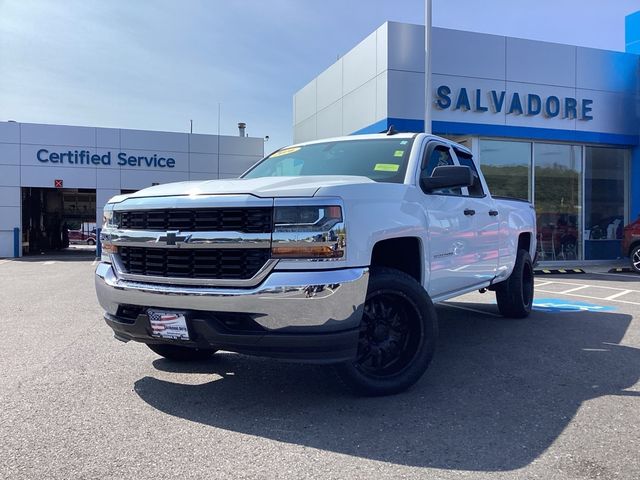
point(397, 338)
point(390, 334)
point(635, 259)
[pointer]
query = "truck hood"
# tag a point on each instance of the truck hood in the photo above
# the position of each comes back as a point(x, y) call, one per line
point(259, 187)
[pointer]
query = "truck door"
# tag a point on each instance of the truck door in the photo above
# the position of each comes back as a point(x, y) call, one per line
point(451, 228)
point(486, 223)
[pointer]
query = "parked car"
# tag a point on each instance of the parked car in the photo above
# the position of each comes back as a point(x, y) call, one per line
point(332, 251)
point(631, 244)
point(83, 238)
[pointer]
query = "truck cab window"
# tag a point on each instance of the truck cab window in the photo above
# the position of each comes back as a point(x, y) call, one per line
point(438, 157)
point(466, 160)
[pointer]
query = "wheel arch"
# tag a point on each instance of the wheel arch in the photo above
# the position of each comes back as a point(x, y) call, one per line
point(401, 253)
point(525, 240)
point(632, 246)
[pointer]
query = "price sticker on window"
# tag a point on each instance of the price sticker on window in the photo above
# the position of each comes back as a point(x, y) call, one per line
point(386, 167)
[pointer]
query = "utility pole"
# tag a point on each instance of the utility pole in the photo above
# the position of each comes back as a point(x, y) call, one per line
point(427, 66)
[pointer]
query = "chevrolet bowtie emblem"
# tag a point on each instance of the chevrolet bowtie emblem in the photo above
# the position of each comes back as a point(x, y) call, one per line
point(172, 237)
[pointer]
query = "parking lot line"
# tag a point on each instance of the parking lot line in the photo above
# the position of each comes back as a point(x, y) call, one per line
point(575, 289)
point(594, 286)
point(619, 294)
point(590, 297)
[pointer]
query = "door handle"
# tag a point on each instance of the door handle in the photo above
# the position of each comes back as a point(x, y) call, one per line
point(469, 212)
point(493, 213)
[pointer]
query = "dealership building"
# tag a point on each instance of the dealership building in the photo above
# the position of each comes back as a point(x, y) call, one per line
point(55, 177)
point(558, 125)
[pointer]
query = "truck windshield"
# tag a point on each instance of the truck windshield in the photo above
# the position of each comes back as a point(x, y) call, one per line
point(382, 160)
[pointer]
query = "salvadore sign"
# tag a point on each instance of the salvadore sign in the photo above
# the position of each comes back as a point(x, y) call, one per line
point(122, 159)
point(515, 103)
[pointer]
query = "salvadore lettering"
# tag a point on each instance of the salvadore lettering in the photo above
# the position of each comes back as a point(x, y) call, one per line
point(495, 101)
point(123, 159)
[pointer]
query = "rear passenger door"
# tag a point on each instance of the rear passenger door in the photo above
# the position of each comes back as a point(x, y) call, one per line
point(486, 224)
point(451, 229)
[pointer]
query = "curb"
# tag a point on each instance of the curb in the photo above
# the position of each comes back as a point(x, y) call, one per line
point(558, 271)
point(621, 270)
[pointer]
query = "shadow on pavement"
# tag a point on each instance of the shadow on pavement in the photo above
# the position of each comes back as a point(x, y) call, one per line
point(497, 394)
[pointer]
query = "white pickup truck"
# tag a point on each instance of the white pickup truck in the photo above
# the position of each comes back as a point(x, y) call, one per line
point(331, 251)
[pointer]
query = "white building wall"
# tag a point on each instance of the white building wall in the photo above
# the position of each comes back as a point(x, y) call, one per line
point(197, 157)
point(350, 93)
point(472, 61)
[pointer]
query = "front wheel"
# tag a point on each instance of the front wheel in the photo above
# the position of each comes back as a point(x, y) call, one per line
point(178, 353)
point(398, 335)
point(634, 258)
point(515, 294)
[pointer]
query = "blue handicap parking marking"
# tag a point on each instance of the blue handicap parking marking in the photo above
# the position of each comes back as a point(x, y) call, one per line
point(562, 305)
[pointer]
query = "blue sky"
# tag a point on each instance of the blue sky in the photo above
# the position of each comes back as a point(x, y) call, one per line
point(154, 65)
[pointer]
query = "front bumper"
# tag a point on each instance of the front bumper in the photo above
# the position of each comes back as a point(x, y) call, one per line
point(309, 316)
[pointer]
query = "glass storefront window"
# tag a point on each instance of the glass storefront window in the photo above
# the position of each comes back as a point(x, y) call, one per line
point(506, 167)
point(558, 200)
point(567, 216)
point(604, 196)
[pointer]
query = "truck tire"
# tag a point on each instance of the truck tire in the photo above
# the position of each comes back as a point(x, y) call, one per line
point(178, 353)
point(515, 294)
point(634, 258)
point(398, 334)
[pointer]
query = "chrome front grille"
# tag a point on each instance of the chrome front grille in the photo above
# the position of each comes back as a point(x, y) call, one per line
point(199, 240)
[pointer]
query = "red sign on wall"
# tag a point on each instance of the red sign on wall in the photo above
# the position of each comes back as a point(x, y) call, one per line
point(57, 183)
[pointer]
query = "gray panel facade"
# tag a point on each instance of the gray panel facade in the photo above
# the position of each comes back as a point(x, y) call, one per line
point(35, 155)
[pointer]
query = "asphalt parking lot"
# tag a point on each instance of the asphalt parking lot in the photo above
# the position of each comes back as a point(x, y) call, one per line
point(555, 396)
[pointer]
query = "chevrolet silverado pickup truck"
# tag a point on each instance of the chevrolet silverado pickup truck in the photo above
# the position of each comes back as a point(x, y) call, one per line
point(331, 251)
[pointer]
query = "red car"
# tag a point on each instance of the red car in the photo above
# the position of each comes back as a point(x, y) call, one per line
point(631, 244)
point(85, 238)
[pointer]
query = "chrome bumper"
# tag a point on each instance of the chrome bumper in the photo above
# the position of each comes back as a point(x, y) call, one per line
point(319, 301)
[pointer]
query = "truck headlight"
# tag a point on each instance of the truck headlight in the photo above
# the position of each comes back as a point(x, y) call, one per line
point(107, 216)
point(308, 232)
point(107, 223)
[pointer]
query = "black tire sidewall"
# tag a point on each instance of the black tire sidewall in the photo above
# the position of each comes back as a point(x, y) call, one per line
point(390, 280)
point(510, 293)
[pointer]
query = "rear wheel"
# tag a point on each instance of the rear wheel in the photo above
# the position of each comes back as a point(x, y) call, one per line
point(181, 354)
point(397, 336)
point(91, 241)
point(635, 259)
point(515, 294)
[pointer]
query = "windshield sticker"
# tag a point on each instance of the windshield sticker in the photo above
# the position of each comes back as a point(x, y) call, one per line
point(285, 151)
point(404, 142)
point(386, 167)
point(398, 153)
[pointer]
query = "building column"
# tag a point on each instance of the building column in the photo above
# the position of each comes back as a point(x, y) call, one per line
point(10, 219)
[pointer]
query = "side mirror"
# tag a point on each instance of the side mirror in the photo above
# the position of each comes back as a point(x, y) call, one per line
point(448, 176)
